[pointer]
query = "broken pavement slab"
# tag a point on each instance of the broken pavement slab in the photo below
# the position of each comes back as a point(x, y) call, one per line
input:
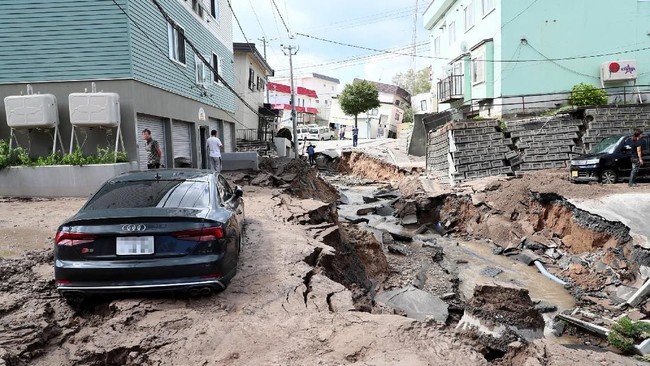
point(419, 305)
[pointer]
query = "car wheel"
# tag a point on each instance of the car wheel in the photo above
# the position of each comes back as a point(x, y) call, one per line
point(608, 177)
point(322, 138)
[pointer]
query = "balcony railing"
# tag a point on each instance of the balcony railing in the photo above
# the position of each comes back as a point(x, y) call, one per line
point(450, 89)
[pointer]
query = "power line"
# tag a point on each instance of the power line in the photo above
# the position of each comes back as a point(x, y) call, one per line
point(281, 18)
point(560, 65)
point(494, 61)
point(256, 17)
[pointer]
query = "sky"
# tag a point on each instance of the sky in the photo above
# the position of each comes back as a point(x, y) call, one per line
point(378, 24)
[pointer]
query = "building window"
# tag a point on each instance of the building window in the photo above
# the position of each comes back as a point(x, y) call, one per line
point(478, 69)
point(469, 16)
point(397, 103)
point(251, 79)
point(452, 33)
point(197, 6)
point(214, 9)
point(423, 105)
point(176, 41)
point(397, 116)
point(216, 64)
point(457, 68)
point(202, 72)
point(436, 46)
point(374, 112)
point(488, 6)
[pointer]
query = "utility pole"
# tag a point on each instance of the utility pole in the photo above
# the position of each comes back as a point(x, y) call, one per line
point(291, 51)
point(263, 39)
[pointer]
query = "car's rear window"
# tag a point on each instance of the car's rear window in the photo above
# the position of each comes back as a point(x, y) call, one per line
point(147, 194)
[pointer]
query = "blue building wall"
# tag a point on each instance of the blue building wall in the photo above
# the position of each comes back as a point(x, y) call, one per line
point(152, 65)
point(561, 29)
point(57, 40)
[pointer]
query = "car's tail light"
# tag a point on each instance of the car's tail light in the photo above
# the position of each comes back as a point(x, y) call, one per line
point(68, 238)
point(205, 234)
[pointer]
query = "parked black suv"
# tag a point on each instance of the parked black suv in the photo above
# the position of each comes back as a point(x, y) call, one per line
point(609, 161)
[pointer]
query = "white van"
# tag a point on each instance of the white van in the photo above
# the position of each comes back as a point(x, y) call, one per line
point(321, 133)
point(302, 132)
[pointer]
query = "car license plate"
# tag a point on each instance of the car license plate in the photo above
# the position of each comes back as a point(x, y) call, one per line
point(574, 173)
point(134, 245)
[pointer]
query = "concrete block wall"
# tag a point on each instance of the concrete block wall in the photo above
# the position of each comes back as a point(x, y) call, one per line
point(543, 142)
point(608, 121)
point(437, 156)
point(479, 149)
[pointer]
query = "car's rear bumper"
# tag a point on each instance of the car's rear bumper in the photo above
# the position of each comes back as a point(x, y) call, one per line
point(142, 274)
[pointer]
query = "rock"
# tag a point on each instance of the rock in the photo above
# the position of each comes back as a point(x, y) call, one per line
point(552, 253)
point(433, 243)
point(262, 179)
point(369, 199)
point(385, 210)
point(417, 304)
point(437, 253)
point(387, 238)
point(558, 328)
point(344, 199)
point(384, 194)
point(646, 307)
point(490, 272)
point(515, 345)
point(401, 236)
point(636, 315)
point(528, 257)
point(410, 220)
point(448, 296)
point(356, 220)
point(398, 249)
point(366, 211)
point(421, 230)
point(429, 238)
point(545, 307)
point(645, 272)
point(497, 250)
point(533, 245)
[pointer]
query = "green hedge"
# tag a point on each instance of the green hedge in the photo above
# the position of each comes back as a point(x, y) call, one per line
point(20, 157)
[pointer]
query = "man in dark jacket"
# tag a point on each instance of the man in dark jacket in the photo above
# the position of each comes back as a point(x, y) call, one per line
point(636, 156)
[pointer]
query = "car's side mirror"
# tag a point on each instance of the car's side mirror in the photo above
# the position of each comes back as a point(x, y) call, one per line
point(238, 192)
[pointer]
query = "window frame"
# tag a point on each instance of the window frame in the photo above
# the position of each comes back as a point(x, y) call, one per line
point(478, 64)
point(206, 72)
point(452, 33)
point(423, 105)
point(217, 67)
point(485, 12)
point(176, 51)
point(469, 9)
point(436, 46)
point(214, 9)
point(251, 79)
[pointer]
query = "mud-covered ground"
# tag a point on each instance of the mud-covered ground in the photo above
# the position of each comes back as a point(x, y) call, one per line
point(281, 308)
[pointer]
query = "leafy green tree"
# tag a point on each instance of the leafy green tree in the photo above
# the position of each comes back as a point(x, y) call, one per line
point(359, 97)
point(414, 82)
point(408, 114)
point(585, 94)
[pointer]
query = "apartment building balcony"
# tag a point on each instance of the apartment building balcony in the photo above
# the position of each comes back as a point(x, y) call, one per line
point(450, 89)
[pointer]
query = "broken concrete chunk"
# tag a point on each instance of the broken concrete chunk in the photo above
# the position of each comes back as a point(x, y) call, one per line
point(448, 296)
point(490, 272)
point(636, 315)
point(645, 272)
point(356, 220)
point(422, 229)
point(552, 253)
point(344, 199)
point(410, 220)
point(387, 194)
point(497, 250)
point(387, 238)
point(528, 257)
point(385, 210)
point(417, 304)
point(369, 199)
point(398, 249)
point(545, 307)
point(366, 211)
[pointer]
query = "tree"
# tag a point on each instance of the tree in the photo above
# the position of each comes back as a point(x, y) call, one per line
point(359, 97)
point(408, 114)
point(414, 82)
point(585, 94)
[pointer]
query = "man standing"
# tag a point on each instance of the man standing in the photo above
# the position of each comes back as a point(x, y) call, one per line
point(214, 145)
point(311, 152)
point(355, 136)
point(153, 150)
point(636, 156)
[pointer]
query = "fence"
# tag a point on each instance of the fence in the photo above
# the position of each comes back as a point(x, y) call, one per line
point(253, 134)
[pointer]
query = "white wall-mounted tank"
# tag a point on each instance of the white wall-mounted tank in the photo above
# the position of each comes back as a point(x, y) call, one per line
point(32, 111)
point(94, 109)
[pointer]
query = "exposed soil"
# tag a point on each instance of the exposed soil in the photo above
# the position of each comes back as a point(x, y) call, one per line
point(511, 306)
point(302, 295)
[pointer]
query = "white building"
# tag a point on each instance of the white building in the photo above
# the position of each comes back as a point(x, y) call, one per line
point(280, 99)
point(251, 76)
point(379, 122)
point(326, 88)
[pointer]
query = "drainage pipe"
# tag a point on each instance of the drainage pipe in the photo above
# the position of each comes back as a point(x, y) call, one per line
point(543, 271)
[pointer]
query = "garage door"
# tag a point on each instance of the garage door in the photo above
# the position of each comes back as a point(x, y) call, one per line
point(181, 142)
point(156, 126)
point(228, 136)
point(213, 124)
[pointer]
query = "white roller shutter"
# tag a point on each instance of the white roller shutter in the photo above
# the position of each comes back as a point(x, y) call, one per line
point(181, 142)
point(213, 124)
point(228, 136)
point(156, 126)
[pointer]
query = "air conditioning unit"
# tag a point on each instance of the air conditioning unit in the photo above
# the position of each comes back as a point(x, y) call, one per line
point(619, 70)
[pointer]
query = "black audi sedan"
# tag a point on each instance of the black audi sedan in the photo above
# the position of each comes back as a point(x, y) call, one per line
point(151, 231)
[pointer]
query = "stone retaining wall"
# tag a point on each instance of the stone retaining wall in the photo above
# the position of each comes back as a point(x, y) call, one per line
point(464, 150)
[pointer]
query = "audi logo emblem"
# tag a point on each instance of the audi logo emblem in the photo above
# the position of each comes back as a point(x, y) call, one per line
point(134, 227)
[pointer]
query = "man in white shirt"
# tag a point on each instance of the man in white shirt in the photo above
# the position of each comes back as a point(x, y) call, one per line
point(214, 145)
